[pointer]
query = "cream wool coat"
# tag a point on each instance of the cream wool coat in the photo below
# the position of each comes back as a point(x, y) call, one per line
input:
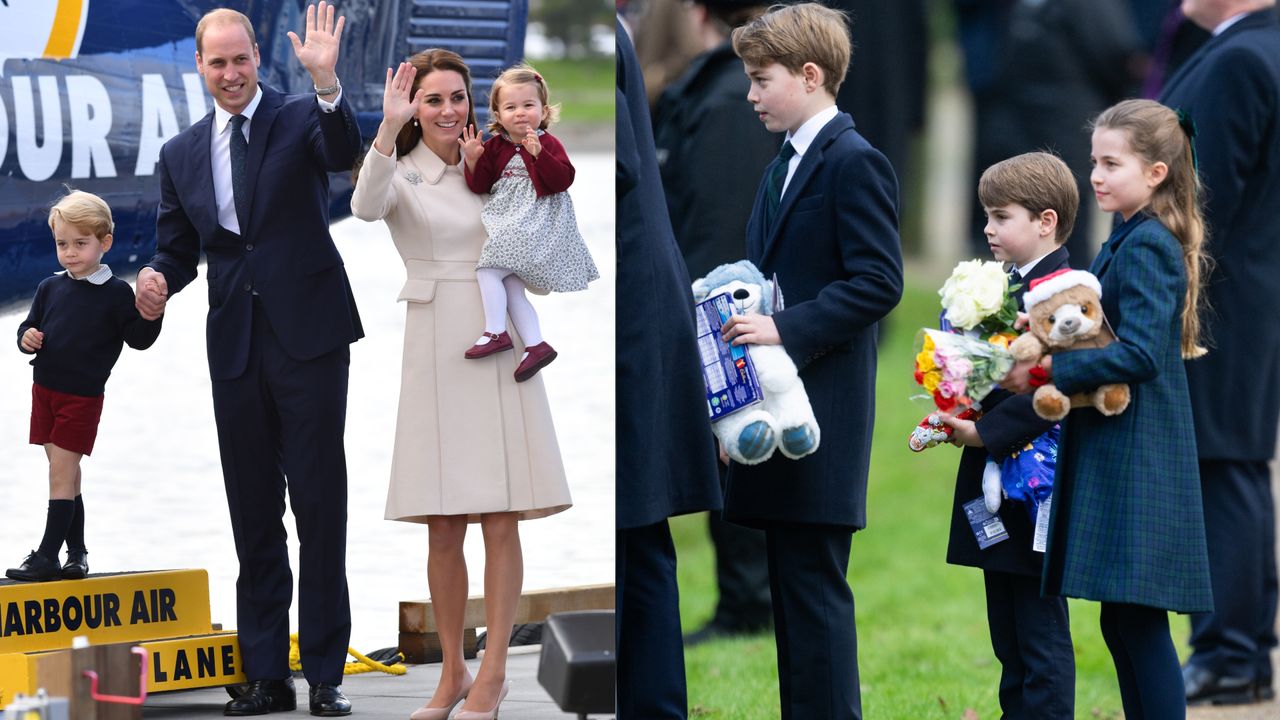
point(469, 438)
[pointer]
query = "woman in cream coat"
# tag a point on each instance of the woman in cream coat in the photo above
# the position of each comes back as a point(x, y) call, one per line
point(471, 444)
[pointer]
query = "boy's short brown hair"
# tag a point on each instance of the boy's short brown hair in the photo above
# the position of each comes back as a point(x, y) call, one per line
point(84, 211)
point(793, 35)
point(1037, 181)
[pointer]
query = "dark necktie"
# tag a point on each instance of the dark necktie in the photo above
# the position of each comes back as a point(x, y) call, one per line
point(777, 177)
point(239, 186)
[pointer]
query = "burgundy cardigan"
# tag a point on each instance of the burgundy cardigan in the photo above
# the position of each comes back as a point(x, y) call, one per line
point(551, 172)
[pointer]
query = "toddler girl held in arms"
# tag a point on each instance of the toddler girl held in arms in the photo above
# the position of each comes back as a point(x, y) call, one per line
point(533, 239)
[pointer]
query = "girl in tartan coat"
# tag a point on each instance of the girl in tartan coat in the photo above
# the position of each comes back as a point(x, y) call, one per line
point(1127, 526)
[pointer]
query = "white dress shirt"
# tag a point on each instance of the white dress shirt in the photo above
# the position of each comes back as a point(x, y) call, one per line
point(220, 150)
point(803, 138)
point(97, 277)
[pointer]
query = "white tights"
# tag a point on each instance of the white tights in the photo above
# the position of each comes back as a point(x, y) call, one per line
point(502, 293)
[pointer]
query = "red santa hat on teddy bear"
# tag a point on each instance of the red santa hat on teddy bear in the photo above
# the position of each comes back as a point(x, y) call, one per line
point(1046, 287)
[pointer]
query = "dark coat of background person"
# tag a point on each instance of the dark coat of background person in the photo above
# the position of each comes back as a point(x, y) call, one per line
point(884, 88)
point(665, 458)
point(281, 317)
point(834, 248)
point(1030, 634)
point(1039, 72)
point(712, 151)
point(1231, 89)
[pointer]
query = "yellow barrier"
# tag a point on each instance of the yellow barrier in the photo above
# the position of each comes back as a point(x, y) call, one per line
point(107, 609)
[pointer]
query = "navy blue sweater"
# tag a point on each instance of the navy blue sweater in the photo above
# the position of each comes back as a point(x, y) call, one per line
point(85, 326)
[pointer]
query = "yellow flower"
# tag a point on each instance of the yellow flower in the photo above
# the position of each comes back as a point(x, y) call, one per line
point(1001, 339)
point(924, 361)
point(931, 380)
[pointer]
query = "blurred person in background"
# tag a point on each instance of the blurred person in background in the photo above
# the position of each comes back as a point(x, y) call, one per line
point(712, 151)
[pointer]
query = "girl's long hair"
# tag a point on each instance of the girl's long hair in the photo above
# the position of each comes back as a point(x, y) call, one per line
point(1156, 134)
point(424, 63)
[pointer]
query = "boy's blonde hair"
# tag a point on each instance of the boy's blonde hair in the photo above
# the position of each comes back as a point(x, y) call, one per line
point(1037, 181)
point(519, 75)
point(793, 35)
point(84, 211)
point(1156, 134)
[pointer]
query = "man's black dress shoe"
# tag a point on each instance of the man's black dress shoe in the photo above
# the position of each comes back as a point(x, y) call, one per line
point(715, 631)
point(77, 565)
point(36, 568)
point(328, 701)
point(1205, 686)
point(264, 696)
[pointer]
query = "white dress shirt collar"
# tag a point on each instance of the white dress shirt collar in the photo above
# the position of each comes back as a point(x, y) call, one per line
point(97, 277)
point(802, 138)
point(1024, 269)
point(221, 117)
point(1222, 26)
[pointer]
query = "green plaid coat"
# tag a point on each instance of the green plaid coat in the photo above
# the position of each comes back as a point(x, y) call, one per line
point(1127, 524)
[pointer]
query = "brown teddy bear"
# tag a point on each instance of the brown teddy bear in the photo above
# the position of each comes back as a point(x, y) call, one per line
point(1065, 310)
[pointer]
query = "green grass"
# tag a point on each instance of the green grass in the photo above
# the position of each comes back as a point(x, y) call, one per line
point(923, 646)
point(584, 88)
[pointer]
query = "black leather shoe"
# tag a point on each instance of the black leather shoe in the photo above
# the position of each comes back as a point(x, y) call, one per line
point(1263, 691)
point(328, 701)
point(264, 696)
point(714, 631)
point(1207, 687)
point(36, 568)
point(77, 565)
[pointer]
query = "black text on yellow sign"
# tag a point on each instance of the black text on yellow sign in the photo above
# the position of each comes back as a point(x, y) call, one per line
point(194, 662)
point(107, 609)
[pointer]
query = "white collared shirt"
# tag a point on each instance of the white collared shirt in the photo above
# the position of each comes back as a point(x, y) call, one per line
point(220, 153)
point(97, 277)
point(1024, 269)
point(1222, 26)
point(803, 138)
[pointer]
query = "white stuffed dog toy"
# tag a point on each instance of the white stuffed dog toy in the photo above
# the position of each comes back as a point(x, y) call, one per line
point(784, 420)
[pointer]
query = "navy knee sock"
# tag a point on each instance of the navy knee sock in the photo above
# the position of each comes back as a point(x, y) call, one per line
point(75, 533)
point(56, 526)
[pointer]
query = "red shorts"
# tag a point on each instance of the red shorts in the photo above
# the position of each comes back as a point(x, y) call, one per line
point(68, 421)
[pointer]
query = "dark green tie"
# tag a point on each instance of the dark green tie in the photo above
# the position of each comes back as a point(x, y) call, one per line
point(239, 183)
point(777, 177)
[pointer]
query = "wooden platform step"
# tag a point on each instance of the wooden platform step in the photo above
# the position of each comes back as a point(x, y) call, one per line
point(420, 644)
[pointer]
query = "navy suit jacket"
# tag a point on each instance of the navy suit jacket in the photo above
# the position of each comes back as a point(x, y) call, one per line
point(284, 252)
point(1007, 424)
point(666, 454)
point(1231, 88)
point(835, 250)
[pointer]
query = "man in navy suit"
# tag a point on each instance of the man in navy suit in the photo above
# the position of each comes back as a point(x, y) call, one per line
point(825, 223)
point(1230, 89)
point(665, 456)
point(247, 185)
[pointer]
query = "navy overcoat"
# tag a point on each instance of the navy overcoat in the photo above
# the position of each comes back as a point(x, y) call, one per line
point(665, 451)
point(835, 250)
point(1231, 88)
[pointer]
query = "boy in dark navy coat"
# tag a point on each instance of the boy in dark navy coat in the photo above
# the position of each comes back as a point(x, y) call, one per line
point(825, 222)
point(1030, 202)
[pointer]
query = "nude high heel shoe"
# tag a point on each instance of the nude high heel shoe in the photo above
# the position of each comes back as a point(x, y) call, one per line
point(488, 715)
point(442, 713)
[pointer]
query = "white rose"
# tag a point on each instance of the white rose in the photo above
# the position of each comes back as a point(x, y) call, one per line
point(975, 290)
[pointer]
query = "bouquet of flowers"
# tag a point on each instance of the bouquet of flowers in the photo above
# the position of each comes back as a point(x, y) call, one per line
point(956, 370)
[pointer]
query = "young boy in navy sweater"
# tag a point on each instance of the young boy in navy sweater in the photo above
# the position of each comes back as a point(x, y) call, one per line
point(79, 322)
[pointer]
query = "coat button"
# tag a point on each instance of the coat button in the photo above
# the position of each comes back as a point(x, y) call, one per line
point(248, 287)
point(249, 247)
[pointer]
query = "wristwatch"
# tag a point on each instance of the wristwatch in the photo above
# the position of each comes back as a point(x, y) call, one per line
point(335, 87)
